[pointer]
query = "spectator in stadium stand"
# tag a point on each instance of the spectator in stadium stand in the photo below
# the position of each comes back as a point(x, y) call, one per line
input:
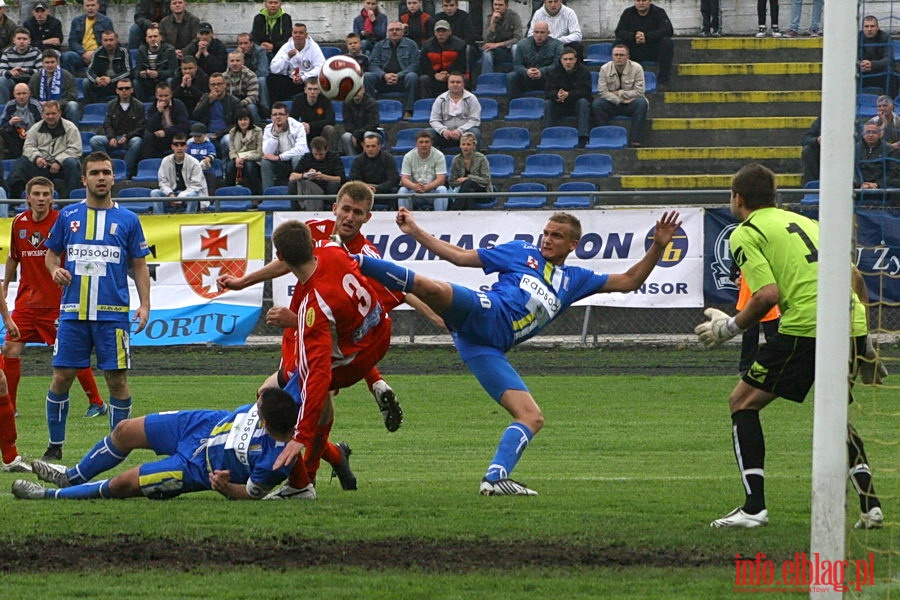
point(190, 83)
point(534, 57)
point(815, 24)
point(779, 272)
point(503, 31)
point(370, 24)
point(82, 42)
point(243, 84)
point(563, 24)
point(51, 82)
point(256, 60)
point(52, 149)
point(18, 63)
point(888, 120)
point(110, 64)
point(876, 57)
point(470, 172)
point(394, 67)
point(646, 30)
point(354, 51)
point(179, 28)
point(7, 27)
point(244, 153)
point(709, 13)
point(210, 52)
point(441, 55)
point(424, 171)
point(203, 460)
point(315, 113)
point(620, 89)
point(319, 172)
point(271, 27)
point(462, 27)
point(376, 168)
point(428, 6)
point(166, 117)
point(455, 112)
point(877, 165)
point(19, 114)
point(46, 30)
point(811, 151)
point(284, 142)
point(487, 324)
point(761, 17)
point(156, 63)
point(361, 115)
point(299, 59)
point(568, 93)
point(180, 176)
point(147, 13)
point(123, 126)
point(217, 110)
point(418, 23)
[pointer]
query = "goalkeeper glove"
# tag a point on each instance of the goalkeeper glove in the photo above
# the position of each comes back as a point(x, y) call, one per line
point(718, 329)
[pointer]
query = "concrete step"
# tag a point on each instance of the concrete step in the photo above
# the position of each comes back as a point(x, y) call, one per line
point(727, 159)
point(694, 181)
point(749, 49)
point(722, 103)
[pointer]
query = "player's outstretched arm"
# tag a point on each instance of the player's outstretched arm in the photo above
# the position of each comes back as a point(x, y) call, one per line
point(272, 270)
point(635, 277)
point(449, 252)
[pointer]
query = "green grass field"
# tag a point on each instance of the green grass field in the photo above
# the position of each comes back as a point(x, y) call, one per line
point(630, 470)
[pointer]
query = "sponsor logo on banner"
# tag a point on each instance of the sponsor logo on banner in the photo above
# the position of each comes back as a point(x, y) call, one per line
point(675, 252)
point(209, 251)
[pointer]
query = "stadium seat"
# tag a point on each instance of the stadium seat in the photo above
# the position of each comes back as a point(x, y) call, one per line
point(896, 46)
point(338, 108)
point(147, 170)
point(649, 82)
point(391, 111)
point(543, 165)
point(592, 165)
point(866, 106)
point(348, 163)
point(811, 197)
point(422, 110)
point(288, 104)
point(448, 160)
point(92, 115)
point(511, 138)
point(569, 202)
point(398, 160)
point(491, 84)
point(329, 51)
point(406, 140)
point(490, 110)
point(136, 192)
point(86, 141)
point(598, 54)
point(595, 81)
point(78, 194)
point(232, 205)
point(525, 109)
point(120, 170)
point(79, 89)
point(527, 201)
point(607, 136)
point(558, 138)
point(275, 204)
point(502, 165)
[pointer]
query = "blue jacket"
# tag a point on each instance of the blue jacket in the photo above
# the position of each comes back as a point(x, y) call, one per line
point(407, 56)
point(76, 33)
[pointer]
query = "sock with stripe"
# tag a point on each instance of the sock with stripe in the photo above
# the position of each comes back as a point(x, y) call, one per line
point(119, 410)
point(390, 275)
point(750, 453)
point(57, 413)
point(512, 444)
point(102, 457)
point(83, 491)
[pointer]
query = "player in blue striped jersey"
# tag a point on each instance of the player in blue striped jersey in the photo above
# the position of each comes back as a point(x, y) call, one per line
point(229, 452)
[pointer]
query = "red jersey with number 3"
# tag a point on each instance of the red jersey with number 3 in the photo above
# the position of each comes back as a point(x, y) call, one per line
point(341, 323)
point(37, 289)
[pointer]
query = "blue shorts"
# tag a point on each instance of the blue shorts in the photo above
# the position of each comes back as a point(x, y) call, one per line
point(75, 340)
point(479, 317)
point(489, 366)
point(182, 436)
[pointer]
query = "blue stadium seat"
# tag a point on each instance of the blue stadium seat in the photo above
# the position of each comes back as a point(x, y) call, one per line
point(338, 108)
point(329, 51)
point(491, 84)
point(406, 140)
point(502, 165)
point(92, 115)
point(275, 204)
point(866, 106)
point(288, 104)
point(592, 165)
point(422, 110)
point(569, 202)
point(525, 109)
point(448, 161)
point(391, 111)
point(558, 138)
point(136, 192)
point(147, 170)
point(607, 136)
point(526, 201)
point(543, 165)
point(120, 170)
point(598, 54)
point(8, 164)
point(490, 110)
point(398, 160)
point(78, 194)
point(595, 81)
point(232, 205)
point(79, 89)
point(811, 197)
point(348, 162)
point(511, 138)
point(86, 141)
point(649, 82)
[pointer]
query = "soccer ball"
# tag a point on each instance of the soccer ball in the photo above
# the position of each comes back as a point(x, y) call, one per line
point(340, 78)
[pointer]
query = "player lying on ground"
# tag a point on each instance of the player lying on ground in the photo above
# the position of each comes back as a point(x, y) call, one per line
point(534, 287)
point(229, 452)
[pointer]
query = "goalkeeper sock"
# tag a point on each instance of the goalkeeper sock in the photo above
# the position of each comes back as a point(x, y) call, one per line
point(119, 410)
point(860, 474)
point(12, 368)
point(57, 413)
point(102, 457)
point(390, 275)
point(512, 444)
point(750, 453)
point(84, 491)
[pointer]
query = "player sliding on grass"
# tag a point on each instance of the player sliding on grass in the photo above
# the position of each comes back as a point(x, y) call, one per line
point(534, 287)
point(777, 252)
point(231, 452)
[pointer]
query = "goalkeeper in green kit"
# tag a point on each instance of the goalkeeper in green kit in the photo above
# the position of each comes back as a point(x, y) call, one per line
point(777, 251)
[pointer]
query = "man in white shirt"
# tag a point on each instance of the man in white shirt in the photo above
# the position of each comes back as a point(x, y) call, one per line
point(180, 176)
point(284, 143)
point(296, 61)
point(455, 112)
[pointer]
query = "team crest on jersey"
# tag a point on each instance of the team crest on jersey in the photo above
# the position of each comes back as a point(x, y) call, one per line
point(74, 226)
point(209, 251)
point(37, 238)
point(310, 317)
point(532, 263)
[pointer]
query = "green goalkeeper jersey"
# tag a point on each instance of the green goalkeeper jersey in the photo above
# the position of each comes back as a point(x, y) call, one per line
point(781, 247)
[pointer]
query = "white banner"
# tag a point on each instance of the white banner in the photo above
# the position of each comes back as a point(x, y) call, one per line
point(612, 241)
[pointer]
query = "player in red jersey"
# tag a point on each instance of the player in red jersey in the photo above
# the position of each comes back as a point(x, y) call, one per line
point(35, 316)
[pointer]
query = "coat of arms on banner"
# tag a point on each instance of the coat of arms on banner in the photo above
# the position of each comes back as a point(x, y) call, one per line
point(208, 251)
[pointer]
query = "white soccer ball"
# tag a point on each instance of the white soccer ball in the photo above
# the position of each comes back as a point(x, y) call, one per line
point(340, 78)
